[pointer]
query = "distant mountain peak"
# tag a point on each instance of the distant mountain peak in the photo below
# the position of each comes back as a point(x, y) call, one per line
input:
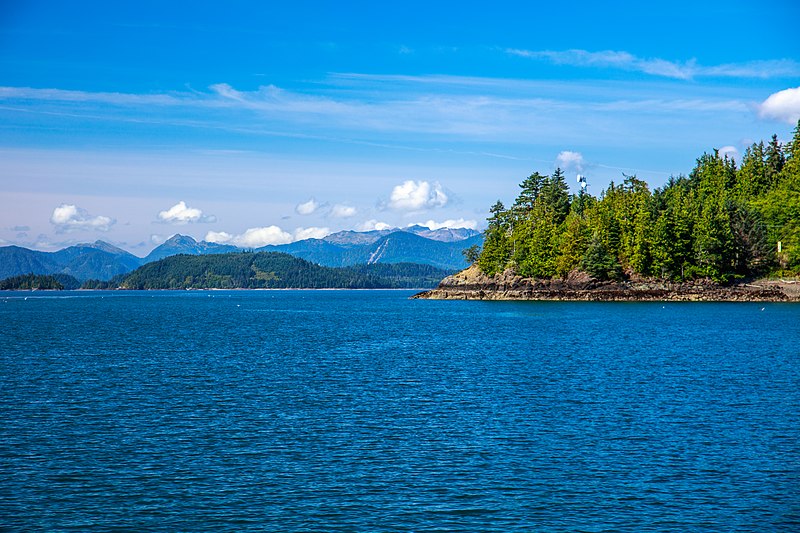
point(180, 239)
point(107, 247)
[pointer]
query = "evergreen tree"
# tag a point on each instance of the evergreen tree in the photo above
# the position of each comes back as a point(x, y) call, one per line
point(751, 180)
point(722, 222)
point(774, 161)
point(599, 262)
point(572, 244)
point(496, 252)
point(555, 196)
point(790, 173)
point(531, 188)
point(536, 251)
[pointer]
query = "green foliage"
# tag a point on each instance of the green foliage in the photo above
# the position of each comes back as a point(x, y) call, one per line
point(471, 254)
point(25, 282)
point(721, 222)
point(497, 246)
point(268, 270)
point(599, 262)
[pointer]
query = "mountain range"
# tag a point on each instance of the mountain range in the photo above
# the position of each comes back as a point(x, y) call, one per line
point(100, 260)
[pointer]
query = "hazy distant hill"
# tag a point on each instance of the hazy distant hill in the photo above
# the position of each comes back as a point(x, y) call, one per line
point(257, 270)
point(393, 247)
point(351, 238)
point(100, 260)
point(16, 261)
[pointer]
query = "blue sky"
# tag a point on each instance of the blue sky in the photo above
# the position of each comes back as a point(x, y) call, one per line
point(263, 122)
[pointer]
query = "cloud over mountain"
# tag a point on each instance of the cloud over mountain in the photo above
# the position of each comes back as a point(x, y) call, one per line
point(258, 237)
point(68, 217)
point(180, 213)
point(450, 223)
point(414, 196)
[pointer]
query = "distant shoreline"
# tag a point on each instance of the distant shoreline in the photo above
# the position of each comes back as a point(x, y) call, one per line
point(217, 290)
point(471, 284)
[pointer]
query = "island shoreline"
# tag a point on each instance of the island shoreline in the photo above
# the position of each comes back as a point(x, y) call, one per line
point(472, 284)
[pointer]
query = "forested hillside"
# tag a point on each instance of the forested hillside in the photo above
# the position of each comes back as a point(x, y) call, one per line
point(267, 270)
point(724, 222)
point(28, 282)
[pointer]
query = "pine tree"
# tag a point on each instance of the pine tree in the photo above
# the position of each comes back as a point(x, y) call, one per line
point(496, 251)
point(555, 195)
point(599, 262)
point(572, 244)
point(531, 188)
point(774, 161)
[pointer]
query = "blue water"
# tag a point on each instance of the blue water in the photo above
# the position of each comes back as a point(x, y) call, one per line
point(367, 411)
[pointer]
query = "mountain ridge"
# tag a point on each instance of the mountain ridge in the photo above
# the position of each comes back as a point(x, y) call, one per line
point(102, 261)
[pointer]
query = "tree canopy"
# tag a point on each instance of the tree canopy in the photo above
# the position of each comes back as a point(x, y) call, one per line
point(722, 222)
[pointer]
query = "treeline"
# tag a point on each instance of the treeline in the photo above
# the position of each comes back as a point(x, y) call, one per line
point(724, 222)
point(267, 270)
point(26, 282)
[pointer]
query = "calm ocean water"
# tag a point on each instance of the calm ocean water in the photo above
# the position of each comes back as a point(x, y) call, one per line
point(367, 411)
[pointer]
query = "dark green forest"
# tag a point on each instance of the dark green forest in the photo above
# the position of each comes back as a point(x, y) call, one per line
point(26, 282)
point(268, 270)
point(722, 222)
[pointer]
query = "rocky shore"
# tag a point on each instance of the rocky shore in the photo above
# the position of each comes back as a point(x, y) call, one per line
point(472, 284)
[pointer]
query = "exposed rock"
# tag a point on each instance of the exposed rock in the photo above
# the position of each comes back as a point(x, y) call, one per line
point(472, 284)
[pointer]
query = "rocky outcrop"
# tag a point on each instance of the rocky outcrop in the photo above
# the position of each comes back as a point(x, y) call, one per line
point(472, 284)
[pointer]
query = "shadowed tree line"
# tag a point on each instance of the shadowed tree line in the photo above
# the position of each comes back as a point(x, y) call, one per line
point(724, 222)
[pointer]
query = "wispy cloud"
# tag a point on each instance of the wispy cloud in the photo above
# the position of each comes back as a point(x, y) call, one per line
point(307, 208)
point(683, 70)
point(569, 160)
point(125, 99)
point(343, 211)
point(411, 113)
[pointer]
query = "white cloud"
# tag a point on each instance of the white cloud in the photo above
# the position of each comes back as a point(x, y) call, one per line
point(783, 105)
point(417, 196)
point(450, 223)
point(258, 237)
point(157, 239)
point(301, 234)
point(69, 217)
point(568, 160)
point(685, 70)
point(343, 211)
point(372, 225)
point(307, 208)
point(730, 151)
point(180, 213)
point(219, 237)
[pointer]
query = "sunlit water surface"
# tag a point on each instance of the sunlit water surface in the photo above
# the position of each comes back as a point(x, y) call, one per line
point(367, 411)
